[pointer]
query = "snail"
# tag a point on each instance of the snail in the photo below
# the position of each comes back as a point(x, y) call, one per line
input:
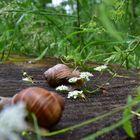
point(46, 105)
point(59, 74)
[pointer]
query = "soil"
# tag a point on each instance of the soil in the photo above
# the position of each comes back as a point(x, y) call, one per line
point(77, 111)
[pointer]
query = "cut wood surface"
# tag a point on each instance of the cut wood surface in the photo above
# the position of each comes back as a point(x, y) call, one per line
point(77, 111)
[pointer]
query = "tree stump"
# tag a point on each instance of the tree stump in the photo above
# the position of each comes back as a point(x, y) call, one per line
point(77, 111)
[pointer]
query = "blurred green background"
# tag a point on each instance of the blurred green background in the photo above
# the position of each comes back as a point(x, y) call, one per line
point(101, 31)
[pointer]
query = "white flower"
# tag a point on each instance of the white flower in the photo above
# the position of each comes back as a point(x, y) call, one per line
point(107, 84)
point(62, 88)
point(85, 75)
point(74, 79)
point(12, 121)
point(100, 68)
point(74, 94)
point(82, 74)
point(24, 73)
point(28, 79)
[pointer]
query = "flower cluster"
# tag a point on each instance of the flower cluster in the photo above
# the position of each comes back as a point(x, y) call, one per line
point(84, 77)
point(75, 94)
point(62, 88)
point(27, 78)
point(100, 68)
point(74, 79)
point(12, 120)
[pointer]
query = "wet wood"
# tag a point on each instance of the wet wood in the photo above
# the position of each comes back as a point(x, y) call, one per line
point(77, 111)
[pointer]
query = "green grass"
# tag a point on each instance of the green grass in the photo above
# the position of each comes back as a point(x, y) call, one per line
point(91, 33)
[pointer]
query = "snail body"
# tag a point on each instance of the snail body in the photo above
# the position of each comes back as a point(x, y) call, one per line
point(47, 106)
point(59, 74)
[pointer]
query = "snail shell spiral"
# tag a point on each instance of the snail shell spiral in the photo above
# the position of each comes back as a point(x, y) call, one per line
point(59, 74)
point(47, 106)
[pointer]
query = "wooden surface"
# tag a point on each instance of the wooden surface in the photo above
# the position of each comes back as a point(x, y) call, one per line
point(77, 111)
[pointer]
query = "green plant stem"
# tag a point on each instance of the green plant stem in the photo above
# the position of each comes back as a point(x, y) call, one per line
point(98, 78)
point(130, 51)
point(137, 44)
point(10, 48)
point(36, 126)
point(108, 129)
point(100, 86)
point(79, 36)
point(87, 122)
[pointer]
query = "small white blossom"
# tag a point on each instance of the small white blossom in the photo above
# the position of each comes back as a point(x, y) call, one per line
point(107, 84)
point(74, 79)
point(12, 121)
point(85, 75)
point(24, 73)
point(75, 94)
point(100, 68)
point(25, 79)
point(62, 88)
point(28, 79)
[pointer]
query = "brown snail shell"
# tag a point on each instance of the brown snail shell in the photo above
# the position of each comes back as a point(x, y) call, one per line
point(47, 106)
point(59, 74)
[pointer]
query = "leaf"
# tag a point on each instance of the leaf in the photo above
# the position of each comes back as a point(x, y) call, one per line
point(112, 57)
point(127, 125)
point(117, 49)
point(20, 19)
point(40, 56)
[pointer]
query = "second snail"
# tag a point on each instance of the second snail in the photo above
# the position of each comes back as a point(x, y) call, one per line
point(60, 74)
point(46, 105)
